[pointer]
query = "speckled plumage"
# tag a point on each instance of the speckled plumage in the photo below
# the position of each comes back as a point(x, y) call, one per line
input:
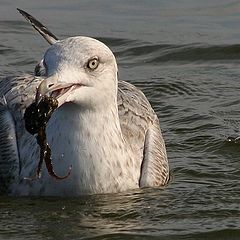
point(106, 129)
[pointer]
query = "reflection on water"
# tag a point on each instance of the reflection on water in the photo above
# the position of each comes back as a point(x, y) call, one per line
point(185, 57)
point(143, 213)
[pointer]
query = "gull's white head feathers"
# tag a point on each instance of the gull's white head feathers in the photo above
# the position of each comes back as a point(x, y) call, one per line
point(80, 70)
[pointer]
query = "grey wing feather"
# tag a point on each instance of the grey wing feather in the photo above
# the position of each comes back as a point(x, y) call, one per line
point(9, 158)
point(16, 93)
point(135, 113)
point(155, 168)
point(141, 130)
point(49, 36)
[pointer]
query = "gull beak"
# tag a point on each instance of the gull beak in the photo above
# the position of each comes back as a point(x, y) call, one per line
point(45, 87)
point(48, 85)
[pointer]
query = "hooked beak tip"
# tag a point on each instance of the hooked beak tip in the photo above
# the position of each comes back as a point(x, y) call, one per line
point(38, 98)
point(45, 87)
point(41, 91)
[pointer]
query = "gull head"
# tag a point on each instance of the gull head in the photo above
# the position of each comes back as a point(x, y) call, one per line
point(79, 70)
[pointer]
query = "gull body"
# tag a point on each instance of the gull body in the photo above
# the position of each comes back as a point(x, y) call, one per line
point(104, 128)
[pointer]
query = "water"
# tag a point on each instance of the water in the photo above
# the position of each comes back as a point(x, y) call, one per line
point(185, 56)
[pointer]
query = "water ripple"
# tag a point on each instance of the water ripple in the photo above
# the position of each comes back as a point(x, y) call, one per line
point(183, 54)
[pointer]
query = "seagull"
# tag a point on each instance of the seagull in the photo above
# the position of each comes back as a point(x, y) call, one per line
point(104, 128)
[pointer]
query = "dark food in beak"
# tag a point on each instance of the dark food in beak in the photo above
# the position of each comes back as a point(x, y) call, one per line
point(36, 117)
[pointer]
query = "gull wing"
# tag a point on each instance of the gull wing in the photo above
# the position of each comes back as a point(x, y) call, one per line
point(16, 94)
point(9, 158)
point(141, 131)
point(155, 168)
point(44, 31)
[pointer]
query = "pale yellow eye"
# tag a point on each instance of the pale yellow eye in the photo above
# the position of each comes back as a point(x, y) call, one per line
point(93, 63)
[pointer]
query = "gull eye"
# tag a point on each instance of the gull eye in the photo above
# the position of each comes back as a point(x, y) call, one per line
point(93, 63)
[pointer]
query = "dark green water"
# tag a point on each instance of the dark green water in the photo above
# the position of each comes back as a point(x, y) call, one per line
point(185, 56)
